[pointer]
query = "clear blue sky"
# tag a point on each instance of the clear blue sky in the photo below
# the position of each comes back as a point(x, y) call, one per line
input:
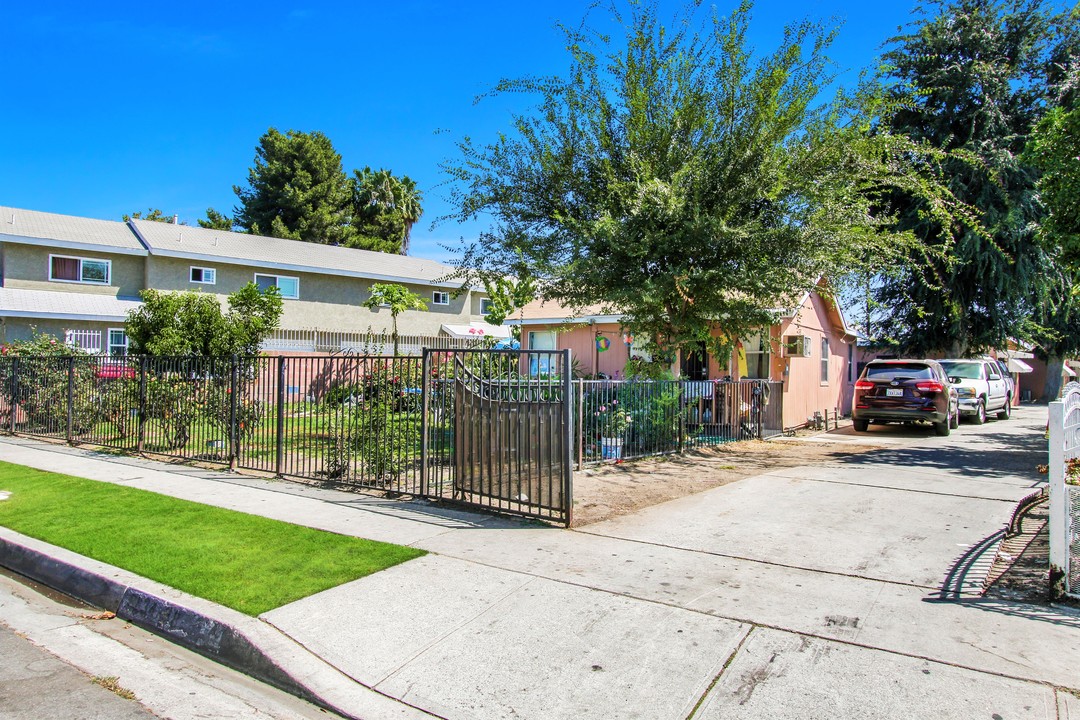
point(113, 107)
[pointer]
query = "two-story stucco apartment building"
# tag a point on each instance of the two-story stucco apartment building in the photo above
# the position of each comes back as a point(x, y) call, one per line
point(78, 278)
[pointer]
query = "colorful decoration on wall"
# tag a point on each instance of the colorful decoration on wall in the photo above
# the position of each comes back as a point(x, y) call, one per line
point(602, 343)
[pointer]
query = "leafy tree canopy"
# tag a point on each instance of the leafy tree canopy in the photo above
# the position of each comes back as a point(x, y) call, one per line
point(677, 177)
point(193, 324)
point(217, 221)
point(978, 75)
point(296, 189)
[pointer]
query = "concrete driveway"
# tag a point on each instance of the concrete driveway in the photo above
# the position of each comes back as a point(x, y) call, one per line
point(846, 590)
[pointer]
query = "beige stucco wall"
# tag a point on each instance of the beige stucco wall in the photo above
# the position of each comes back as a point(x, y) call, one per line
point(26, 267)
point(326, 302)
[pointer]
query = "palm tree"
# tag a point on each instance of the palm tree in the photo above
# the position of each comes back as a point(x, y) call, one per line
point(386, 204)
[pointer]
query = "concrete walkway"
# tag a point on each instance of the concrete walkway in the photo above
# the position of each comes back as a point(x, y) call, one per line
point(844, 590)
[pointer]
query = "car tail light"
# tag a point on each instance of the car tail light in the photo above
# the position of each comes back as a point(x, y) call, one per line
point(930, 386)
point(864, 385)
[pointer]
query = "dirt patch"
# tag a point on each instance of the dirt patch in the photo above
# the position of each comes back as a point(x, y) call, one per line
point(1021, 568)
point(610, 490)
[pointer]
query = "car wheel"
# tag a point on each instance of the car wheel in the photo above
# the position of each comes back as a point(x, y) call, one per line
point(943, 428)
point(1004, 413)
point(980, 412)
point(954, 419)
point(860, 425)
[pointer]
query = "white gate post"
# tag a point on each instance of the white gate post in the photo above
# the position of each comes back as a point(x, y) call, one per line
point(1059, 519)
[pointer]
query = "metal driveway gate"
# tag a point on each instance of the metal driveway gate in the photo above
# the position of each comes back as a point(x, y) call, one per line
point(497, 429)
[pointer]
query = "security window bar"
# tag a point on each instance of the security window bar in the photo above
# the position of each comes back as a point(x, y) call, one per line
point(289, 287)
point(440, 298)
point(79, 270)
point(204, 276)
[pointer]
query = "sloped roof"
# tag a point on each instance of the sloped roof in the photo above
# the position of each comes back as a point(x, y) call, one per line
point(40, 228)
point(196, 243)
point(64, 305)
point(541, 312)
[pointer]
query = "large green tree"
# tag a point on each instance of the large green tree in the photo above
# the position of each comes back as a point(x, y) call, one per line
point(296, 189)
point(385, 208)
point(680, 178)
point(975, 76)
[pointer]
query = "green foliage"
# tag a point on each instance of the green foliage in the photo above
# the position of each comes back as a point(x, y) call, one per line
point(677, 177)
point(192, 323)
point(507, 294)
point(385, 208)
point(297, 189)
point(217, 221)
point(1054, 149)
point(398, 298)
point(973, 77)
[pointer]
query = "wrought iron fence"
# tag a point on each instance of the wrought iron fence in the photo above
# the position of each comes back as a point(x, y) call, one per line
point(625, 419)
point(490, 428)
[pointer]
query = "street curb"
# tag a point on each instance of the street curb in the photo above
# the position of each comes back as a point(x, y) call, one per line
point(227, 636)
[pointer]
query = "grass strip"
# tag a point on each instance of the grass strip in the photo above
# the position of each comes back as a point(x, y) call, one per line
point(247, 562)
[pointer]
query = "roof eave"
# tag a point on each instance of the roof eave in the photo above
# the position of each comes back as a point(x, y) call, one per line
point(71, 245)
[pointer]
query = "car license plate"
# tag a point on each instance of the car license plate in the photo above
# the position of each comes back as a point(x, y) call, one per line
point(894, 392)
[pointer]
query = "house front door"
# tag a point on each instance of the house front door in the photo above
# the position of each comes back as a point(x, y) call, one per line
point(695, 363)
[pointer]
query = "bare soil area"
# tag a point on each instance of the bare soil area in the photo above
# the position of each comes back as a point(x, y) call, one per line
point(610, 490)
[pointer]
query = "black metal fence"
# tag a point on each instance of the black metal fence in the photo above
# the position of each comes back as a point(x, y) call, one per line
point(387, 423)
point(624, 419)
point(489, 428)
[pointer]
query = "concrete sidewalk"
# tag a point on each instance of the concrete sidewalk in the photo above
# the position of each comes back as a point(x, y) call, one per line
point(847, 590)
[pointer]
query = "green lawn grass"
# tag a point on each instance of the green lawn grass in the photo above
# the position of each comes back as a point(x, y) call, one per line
point(246, 562)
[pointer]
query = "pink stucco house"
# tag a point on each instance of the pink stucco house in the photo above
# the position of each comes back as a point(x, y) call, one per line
point(811, 350)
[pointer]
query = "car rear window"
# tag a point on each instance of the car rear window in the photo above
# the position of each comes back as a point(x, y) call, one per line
point(966, 370)
point(892, 371)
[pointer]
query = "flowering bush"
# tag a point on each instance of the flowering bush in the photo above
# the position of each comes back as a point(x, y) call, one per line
point(611, 419)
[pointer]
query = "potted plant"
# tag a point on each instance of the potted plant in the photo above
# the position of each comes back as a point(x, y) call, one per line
point(612, 422)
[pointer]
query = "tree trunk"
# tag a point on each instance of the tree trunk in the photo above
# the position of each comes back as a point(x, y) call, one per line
point(1052, 387)
point(394, 317)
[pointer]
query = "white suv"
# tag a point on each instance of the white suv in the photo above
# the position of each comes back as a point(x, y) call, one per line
point(980, 388)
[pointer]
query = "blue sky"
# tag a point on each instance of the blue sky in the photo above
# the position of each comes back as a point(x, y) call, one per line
point(112, 107)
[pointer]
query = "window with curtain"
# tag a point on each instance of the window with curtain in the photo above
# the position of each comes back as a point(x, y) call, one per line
point(80, 270)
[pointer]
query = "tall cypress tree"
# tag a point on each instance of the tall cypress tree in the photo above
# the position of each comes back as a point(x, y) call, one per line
point(977, 75)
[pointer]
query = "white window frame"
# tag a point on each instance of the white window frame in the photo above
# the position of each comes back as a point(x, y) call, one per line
point(550, 333)
point(824, 360)
point(80, 281)
point(436, 294)
point(111, 344)
point(485, 306)
point(204, 271)
point(277, 279)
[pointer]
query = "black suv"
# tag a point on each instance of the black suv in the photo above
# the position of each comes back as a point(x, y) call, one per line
point(905, 391)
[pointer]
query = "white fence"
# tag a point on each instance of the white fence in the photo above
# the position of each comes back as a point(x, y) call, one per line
point(1064, 527)
point(333, 341)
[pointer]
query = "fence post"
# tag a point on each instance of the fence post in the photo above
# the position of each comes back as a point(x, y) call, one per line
point(682, 414)
point(1059, 519)
point(568, 435)
point(279, 446)
point(425, 404)
point(69, 435)
point(140, 442)
point(234, 371)
point(580, 434)
point(14, 391)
